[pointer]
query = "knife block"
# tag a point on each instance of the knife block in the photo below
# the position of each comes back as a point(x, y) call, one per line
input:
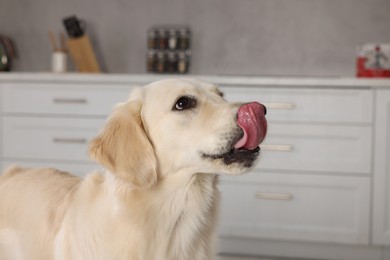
point(82, 53)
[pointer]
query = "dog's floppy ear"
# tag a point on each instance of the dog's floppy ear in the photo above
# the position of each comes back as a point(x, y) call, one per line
point(124, 148)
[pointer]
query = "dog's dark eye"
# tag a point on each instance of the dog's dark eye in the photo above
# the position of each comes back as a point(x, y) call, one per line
point(184, 103)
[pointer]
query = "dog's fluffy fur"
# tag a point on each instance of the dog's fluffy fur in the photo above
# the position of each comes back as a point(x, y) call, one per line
point(157, 199)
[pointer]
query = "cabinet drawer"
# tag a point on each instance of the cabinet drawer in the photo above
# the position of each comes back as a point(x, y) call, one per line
point(42, 138)
point(63, 99)
point(297, 207)
point(78, 169)
point(326, 148)
point(309, 105)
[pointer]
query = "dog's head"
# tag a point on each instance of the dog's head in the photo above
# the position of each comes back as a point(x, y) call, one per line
point(176, 126)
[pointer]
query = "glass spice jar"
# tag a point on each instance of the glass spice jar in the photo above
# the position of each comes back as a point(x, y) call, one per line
point(184, 39)
point(183, 62)
point(151, 61)
point(152, 39)
point(162, 39)
point(172, 39)
point(161, 62)
point(172, 62)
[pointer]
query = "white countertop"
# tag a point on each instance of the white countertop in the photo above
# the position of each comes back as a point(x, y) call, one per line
point(343, 82)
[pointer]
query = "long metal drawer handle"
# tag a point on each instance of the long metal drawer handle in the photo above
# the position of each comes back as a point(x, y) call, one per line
point(276, 105)
point(70, 140)
point(274, 196)
point(70, 100)
point(277, 147)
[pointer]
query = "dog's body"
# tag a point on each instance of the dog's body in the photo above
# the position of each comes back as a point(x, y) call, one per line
point(158, 198)
point(102, 218)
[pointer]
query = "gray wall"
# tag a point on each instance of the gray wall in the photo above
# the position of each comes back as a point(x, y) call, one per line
point(262, 37)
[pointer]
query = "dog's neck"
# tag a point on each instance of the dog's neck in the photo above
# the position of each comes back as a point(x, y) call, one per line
point(189, 202)
point(194, 214)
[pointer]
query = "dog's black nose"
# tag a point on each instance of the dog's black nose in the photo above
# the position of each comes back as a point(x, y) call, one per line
point(265, 109)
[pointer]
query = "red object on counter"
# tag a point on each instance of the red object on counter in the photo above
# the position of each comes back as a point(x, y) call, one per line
point(373, 61)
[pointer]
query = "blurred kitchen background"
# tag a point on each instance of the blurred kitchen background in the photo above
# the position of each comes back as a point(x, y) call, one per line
point(246, 37)
point(321, 190)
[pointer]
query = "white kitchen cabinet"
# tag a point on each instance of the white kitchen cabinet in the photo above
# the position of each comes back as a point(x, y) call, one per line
point(313, 180)
point(50, 124)
point(314, 194)
point(381, 216)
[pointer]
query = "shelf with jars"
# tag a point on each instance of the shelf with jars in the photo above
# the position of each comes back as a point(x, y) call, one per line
point(168, 50)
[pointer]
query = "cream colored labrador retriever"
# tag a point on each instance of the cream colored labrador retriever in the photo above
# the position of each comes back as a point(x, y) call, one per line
point(158, 198)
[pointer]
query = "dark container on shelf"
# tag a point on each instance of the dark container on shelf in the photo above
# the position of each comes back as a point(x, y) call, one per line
point(162, 39)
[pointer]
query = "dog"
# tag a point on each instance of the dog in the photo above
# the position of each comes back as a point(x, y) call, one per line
point(157, 199)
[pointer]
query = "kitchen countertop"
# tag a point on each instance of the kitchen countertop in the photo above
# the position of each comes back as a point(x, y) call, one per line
point(336, 82)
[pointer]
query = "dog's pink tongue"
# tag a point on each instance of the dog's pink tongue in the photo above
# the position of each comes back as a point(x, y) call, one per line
point(251, 118)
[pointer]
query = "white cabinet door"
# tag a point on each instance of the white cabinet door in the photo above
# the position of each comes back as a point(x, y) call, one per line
point(317, 148)
point(381, 219)
point(62, 139)
point(298, 207)
point(63, 99)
